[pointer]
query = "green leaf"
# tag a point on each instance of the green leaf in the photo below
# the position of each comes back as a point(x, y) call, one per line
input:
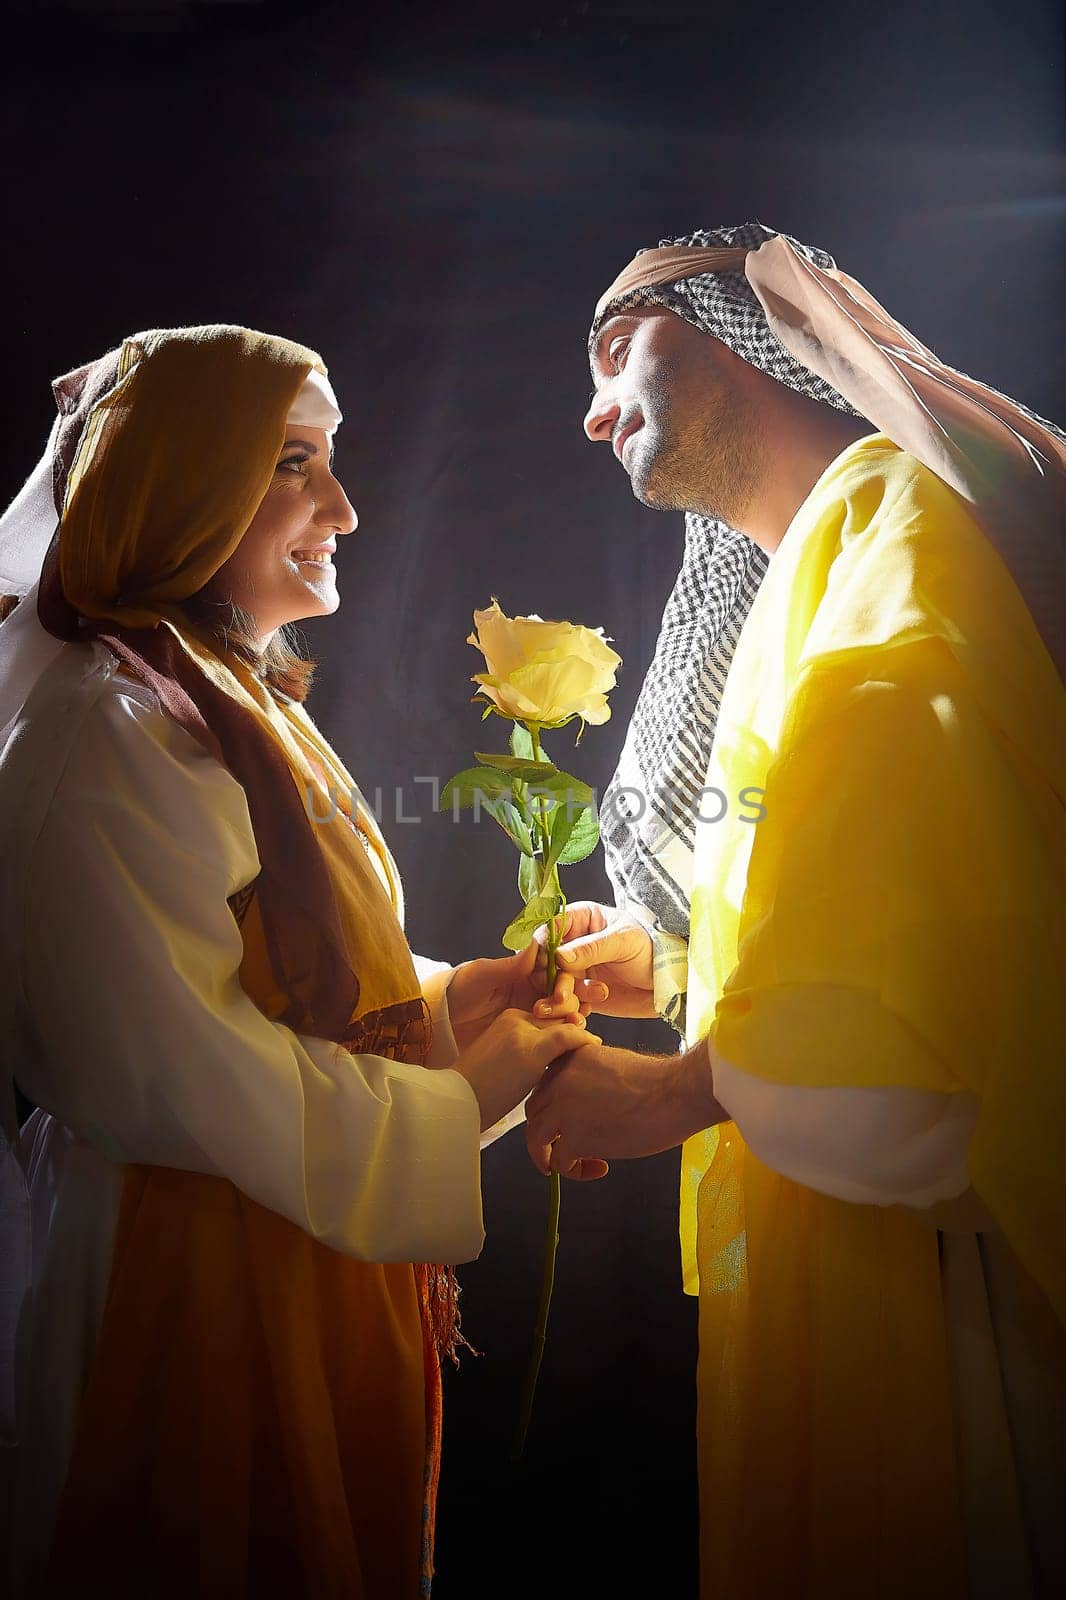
point(582, 841)
point(503, 810)
point(528, 878)
point(484, 789)
point(563, 824)
point(519, 794)
point(467, 785)
point(522, 743)
point(506, 813)
point(528, 771)
point(519, 932)
point(565, 790)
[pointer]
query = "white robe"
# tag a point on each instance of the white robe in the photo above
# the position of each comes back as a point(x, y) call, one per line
point(125, 1021)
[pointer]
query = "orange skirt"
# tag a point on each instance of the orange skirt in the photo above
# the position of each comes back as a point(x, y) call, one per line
point(262, 1414)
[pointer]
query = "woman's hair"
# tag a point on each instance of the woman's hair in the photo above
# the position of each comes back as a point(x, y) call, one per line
point(282, 666)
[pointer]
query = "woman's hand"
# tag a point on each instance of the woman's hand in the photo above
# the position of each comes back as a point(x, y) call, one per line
point(482, 990)
point(507, 1061)
point(605, 944)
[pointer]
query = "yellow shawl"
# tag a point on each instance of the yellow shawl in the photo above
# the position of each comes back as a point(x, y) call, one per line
point(896, 919)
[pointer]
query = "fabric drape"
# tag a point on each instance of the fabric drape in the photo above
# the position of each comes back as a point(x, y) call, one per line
point(895, 919)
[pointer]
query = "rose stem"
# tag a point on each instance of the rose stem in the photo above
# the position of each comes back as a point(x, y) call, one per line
point(551, 1241)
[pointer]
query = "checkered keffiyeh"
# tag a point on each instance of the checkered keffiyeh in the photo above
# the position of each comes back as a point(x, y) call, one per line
point(647, 818)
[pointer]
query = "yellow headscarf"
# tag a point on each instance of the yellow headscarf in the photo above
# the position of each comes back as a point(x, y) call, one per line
point(172, 466)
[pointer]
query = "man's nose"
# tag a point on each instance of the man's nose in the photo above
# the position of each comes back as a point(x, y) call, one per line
point(600, 419)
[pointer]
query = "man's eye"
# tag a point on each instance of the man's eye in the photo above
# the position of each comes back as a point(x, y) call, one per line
point(615, 351)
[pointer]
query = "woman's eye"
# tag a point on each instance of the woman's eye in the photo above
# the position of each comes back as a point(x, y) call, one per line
point(292, 464)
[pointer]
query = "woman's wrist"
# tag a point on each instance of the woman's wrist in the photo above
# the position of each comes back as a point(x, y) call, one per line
point(446, 1044)
point(465, 1034)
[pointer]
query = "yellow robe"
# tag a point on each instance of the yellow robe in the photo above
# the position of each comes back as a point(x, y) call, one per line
point(896, 919)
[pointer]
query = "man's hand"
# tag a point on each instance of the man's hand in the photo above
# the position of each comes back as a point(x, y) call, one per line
point(481, 991)
point(607, 1103)
point(601, 942)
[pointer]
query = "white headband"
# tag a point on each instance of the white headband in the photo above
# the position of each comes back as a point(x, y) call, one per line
point(316, 405)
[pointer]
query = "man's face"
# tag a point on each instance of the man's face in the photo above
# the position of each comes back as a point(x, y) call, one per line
point(679, 410)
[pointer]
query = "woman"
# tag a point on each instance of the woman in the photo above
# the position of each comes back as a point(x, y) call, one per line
point(227, 1371)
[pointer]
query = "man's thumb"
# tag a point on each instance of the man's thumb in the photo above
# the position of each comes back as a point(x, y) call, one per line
point(582, 953)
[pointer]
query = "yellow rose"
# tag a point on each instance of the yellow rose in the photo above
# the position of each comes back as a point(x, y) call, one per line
point(543, 672)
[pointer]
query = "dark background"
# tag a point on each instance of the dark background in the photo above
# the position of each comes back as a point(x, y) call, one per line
point(434, 197)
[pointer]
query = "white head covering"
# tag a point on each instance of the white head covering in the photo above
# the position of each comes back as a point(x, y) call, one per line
point(26, 530)
point(316, 405)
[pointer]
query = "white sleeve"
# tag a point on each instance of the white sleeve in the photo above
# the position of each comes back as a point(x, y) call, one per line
point(151, 1049)
point(873, 1146)
point(669, 964)
point(434, 977)
point(514, 1119)
point(638, 912)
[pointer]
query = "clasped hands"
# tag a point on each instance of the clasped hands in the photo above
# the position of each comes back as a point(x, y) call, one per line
point(590, 1102)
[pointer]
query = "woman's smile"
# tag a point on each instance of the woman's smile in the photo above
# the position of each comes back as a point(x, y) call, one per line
point(321, 557)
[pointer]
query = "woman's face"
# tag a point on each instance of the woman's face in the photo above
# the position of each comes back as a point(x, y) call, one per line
point(282, 570)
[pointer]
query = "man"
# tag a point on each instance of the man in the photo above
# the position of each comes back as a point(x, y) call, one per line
point(841, 875)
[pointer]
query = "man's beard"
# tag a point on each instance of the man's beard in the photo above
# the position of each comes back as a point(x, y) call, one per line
point(709, 463)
